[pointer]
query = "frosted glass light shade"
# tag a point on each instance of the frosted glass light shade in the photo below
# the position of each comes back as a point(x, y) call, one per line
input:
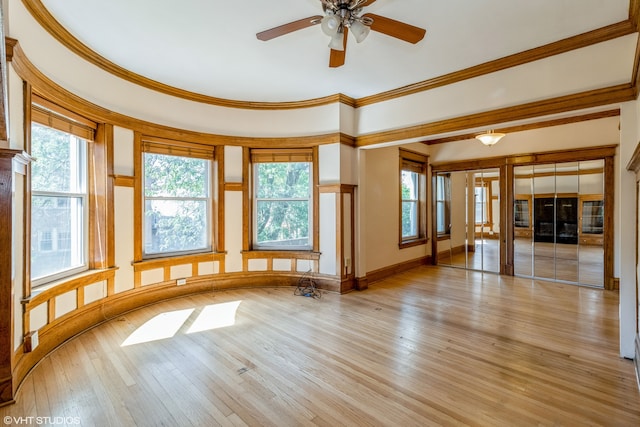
point(490, 138)
point(330, 25)
point(337, 42)
point(359, 30)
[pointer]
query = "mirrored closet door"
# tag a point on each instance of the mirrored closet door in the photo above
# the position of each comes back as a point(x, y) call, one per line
point(468, 219)
point(559, 222)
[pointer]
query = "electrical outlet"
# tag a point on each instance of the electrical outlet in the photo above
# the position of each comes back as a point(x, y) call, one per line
point(181, 282)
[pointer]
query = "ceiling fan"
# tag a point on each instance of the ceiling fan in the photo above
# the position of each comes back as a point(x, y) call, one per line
point(340, 16)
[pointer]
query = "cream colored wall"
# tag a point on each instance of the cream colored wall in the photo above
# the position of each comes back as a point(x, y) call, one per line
point(591, 133)
point(379, 201)
point(124, 243)
point(600, 65)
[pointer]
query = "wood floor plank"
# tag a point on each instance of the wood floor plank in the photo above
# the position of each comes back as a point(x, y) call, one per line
point(431, 346)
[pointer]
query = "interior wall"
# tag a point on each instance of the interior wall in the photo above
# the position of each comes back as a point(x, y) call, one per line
point(600, 65)
point(380, 204)
point(625, 222)
point(376, 172)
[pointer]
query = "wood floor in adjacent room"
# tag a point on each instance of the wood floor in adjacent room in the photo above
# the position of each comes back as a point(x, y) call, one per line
point(433, 346)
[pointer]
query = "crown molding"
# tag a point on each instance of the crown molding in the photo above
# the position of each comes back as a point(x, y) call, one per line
point(530, 126)
point(578, 101)
point(53, 27)
point(589, 99)
point(46, 88)
point(600, 35)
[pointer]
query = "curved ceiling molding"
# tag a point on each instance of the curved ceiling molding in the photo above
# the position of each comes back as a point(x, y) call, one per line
point(50, 90)
point(53, 92)
point(51, 25)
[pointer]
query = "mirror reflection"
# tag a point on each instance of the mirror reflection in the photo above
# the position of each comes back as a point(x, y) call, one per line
point(468, 219)
point(558, 222)
point(558, 219)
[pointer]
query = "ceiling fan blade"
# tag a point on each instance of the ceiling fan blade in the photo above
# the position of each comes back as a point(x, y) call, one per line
point(396, 29)
point(281, 30)
point(336, 58)
point(367, 3)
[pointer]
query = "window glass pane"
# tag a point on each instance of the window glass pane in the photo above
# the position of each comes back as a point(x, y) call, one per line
point(58, 203)
point(283, 223)
point(409, 219)
point(440, 217)
point(57, 235)
point(177, 204)
point(481, 204)
point(174, 176)
point(59, 164)
point(409, 185)
point(283, 204)
point(283, 180)
point(175, 225)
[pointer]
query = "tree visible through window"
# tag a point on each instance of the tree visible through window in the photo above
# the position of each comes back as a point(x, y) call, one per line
point(282, 205)
point(58, 203)
point(177, 204)
point(410, 198)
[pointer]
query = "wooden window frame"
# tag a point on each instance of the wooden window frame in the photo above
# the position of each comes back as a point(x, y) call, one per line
point(99, 146)
point(417, 163)
point(267, 155)
point(157, 145)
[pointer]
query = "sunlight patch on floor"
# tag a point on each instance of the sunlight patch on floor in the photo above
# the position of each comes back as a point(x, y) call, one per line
point(162, 326)
point(215, 316)
point(168, 324)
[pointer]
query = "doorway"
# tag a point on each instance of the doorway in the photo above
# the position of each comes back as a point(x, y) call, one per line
point(468, 219)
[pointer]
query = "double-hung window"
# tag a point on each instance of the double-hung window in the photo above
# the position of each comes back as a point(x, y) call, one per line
point(177, 188)
point(413, 194)
point(443, 204)
point(481, 203)
point(59, 195)
point(282, 199)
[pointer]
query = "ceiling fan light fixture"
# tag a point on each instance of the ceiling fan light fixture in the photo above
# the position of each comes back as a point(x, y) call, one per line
point(330, 24)
point(490, 138)
point(337, 41)
point(359, 30)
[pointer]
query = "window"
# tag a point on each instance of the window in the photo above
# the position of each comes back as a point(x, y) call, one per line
point(481, 211)
point(59, 203)
point(443, 204)
point(413, 197)
point(410, 195)
point(282, 199)
point(177, 204)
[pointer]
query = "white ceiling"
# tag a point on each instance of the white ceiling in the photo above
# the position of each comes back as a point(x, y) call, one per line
point(209, 46)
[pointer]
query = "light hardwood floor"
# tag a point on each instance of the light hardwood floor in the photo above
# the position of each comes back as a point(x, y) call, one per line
point(432, 346)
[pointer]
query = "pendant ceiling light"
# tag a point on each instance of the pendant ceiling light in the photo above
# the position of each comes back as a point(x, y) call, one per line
point(490, 138)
